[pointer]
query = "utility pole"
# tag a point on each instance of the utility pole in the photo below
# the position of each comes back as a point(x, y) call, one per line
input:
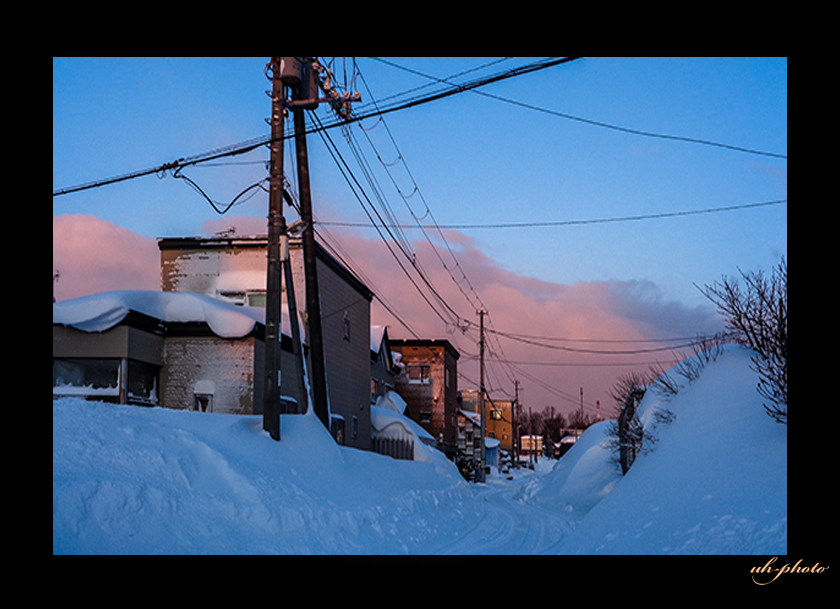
point(481, 474)
point(305, 75)
point(276, 228)
point(313, 303)
point(515, 437)
point(580, 431)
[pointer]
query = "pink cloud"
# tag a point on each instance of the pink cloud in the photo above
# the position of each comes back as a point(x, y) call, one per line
point(603, 311)
point(93, 255)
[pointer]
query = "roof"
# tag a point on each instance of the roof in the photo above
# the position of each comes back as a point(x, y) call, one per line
point(426, 342)
point(103, 311)
point(377, 335)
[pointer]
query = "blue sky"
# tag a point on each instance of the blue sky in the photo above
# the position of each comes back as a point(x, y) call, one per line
point(475, 160)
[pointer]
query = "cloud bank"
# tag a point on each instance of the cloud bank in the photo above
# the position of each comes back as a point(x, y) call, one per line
point(92, 255)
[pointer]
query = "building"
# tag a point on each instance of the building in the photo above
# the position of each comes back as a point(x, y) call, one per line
point(182, 351)
point(233, 269)
point(429, 387)
point(499, 423)
point(468, 439)
point(531, 445)
point(384, 370)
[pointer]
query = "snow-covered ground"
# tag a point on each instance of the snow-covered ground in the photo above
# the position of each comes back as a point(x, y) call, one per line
point(138, 480)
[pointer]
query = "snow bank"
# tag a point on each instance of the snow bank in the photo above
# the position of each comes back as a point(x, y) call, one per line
point(715, 483)
point(130, 480)
point(100, 312)
point(584, 476)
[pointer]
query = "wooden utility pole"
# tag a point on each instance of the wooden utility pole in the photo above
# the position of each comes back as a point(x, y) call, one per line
point(297, 343)
point(301, 74)
point(276, 228)
point(313, 304)
point(515, 448)
point(481, 474)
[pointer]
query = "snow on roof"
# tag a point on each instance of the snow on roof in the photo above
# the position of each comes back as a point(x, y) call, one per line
point(393, 401)
point(100, 312)
point(377, 333)
point(381, 418)
point(473, 416)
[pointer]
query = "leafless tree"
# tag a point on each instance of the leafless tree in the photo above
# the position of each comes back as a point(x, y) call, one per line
point(757, 314)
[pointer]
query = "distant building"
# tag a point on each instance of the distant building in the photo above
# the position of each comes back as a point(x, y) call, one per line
point(468, 439)
point(384, 370)
point(531, 445)
point(429, 386)
point(233, 269)
point(499, 423)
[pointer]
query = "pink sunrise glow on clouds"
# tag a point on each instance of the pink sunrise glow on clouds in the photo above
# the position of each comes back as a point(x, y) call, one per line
point(92, 255)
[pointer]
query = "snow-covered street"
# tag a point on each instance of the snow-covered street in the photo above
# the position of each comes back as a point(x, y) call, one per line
point(150, 480)
point(505, 525)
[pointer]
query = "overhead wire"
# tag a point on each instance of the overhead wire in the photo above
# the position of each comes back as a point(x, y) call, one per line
point(640, 132)
point(255, 143)
point(427, 210)
point(555, 223)
point(334, 247)
point(370, 210)
point(495, 354)
point(219, 208)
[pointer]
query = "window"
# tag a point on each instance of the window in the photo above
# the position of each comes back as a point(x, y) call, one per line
point(496, 415)
point(87, 377)
point(425, 417)
point(100, 379)
point(203, 402)
point(346, 327)
point(355, 428)
point(418, 373)
point(252, 298)
point(257, 299)
point(377, 388)
point(142, 383)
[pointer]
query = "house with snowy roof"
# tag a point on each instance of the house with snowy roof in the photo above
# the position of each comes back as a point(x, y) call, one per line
point(232, 269)
point(184, 351)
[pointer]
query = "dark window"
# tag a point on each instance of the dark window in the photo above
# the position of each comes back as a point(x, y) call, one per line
point(418, 373)
point(86, 376)
point(142, 383)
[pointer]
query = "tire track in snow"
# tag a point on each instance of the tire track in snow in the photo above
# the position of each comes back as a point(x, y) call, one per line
point(499, 524)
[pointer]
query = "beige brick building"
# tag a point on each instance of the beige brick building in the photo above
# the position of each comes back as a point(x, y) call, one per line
point(232, 269)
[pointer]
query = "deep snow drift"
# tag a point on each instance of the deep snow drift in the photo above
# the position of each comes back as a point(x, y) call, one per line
point(137, 480)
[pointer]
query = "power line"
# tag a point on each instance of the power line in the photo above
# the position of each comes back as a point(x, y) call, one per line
point(253, 144)
point(362, 196)
point(475, 302)
point(554, 223)
point(540, 343)
point(679, 138)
